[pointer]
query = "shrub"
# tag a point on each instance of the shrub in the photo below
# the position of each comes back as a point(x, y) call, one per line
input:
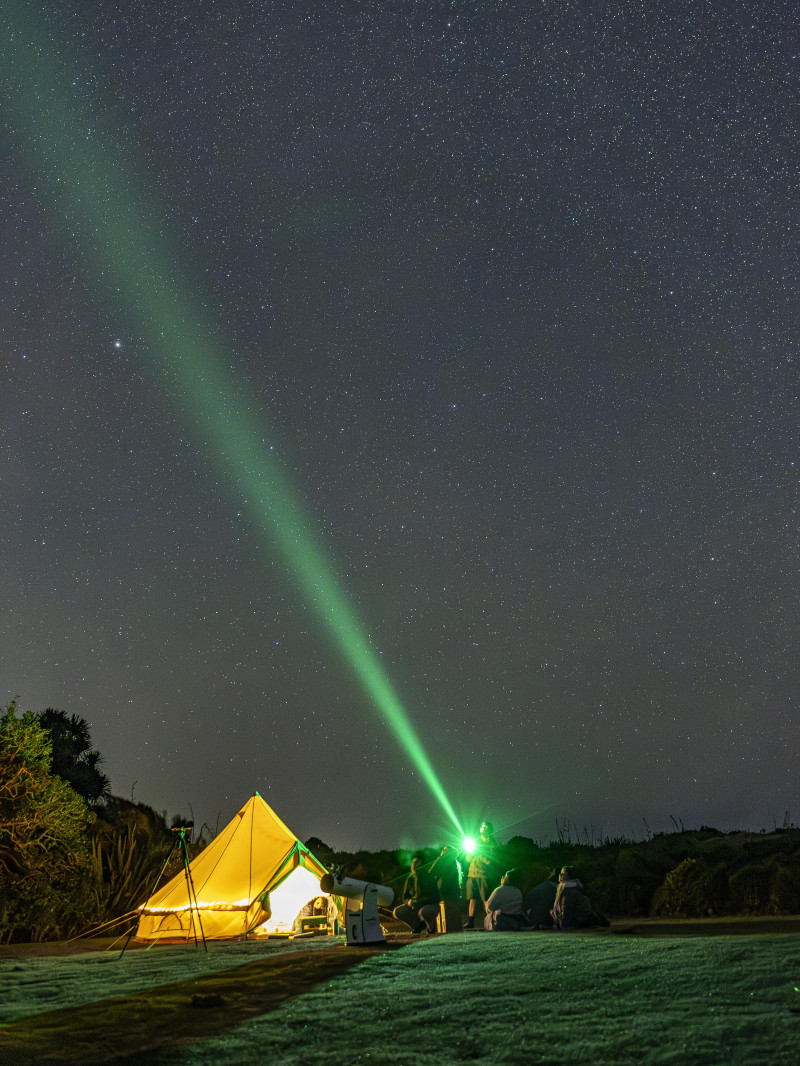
point(749, 889)
point(636, 880)
point(126, 865)
point(46, 877)
point(692, 890)
point(784, 888)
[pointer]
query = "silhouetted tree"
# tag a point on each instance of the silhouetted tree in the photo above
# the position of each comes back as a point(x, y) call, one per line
point(74, 759)
point(45, 875)
point(320, 850)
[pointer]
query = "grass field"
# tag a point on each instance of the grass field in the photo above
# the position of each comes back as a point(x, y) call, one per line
point(474, 997)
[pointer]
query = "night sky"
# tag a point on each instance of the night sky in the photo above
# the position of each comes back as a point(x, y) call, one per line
point(510, 291)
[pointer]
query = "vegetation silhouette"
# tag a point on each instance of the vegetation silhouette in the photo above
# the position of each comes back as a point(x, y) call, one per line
point(74, 759)
point(45, 869)
point(74, 857)
point(71, 855)
point(689, 873)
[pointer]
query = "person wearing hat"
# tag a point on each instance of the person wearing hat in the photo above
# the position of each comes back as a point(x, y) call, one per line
point(481, 862)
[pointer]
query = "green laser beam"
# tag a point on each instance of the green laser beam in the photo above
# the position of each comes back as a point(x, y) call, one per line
point(85, 184)
point(534, 814)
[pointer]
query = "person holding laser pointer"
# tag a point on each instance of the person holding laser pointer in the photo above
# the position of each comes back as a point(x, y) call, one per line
point(481, 869)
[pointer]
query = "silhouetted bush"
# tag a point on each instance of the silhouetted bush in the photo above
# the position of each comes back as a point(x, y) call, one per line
point(694, 889)
point(130, 844)
point(749, 889)
point(45, 872)
point(784, 887)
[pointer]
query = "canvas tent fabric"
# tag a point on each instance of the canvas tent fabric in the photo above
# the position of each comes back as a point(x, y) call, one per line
point(254, 871)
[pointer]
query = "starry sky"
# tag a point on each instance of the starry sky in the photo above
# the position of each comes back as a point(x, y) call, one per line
point(510, 291)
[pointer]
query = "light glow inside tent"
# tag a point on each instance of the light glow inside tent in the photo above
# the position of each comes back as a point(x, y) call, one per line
point(287, 900)
point(255, 853)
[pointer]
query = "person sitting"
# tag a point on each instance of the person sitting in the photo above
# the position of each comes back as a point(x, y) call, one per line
point(504, 913)
point(540, 903)
point(571, 908)
point(419, 894)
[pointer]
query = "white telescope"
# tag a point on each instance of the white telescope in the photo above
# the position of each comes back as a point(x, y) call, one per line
point(362, 900)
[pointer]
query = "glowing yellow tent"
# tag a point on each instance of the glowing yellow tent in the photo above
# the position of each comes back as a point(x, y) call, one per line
point(254, 877)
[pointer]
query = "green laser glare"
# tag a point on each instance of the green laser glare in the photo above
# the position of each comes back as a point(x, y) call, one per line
point(84, 182)
point(539, 813)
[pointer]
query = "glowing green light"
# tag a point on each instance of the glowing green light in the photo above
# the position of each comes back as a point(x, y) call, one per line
point(85, 185)
point(468, 844)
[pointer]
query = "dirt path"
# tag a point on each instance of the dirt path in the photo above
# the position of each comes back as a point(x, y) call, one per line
point(116, 1030)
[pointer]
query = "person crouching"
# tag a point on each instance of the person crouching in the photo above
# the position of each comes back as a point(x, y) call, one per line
point(420, 895)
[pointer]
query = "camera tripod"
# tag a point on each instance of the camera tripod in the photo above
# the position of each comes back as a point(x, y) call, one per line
point(180, 845)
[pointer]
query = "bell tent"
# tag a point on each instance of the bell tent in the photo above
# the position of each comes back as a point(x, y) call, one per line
point(254, 877)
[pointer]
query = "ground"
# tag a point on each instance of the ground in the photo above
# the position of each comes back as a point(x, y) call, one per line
point(714, 992)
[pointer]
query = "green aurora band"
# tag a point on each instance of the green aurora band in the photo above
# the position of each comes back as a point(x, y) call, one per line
point(90, 195)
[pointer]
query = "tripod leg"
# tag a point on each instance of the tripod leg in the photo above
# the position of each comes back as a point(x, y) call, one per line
point(193, 906)
point(127, 941)
point(155, 886)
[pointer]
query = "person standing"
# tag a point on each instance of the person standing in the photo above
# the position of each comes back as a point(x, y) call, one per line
point(481, 865)
point(446, 872)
